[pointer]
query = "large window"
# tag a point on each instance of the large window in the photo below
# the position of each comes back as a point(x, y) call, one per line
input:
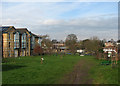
point(24, 40)
point(16, 40)
point(33, 42)
point(9, 44)
point(9, 35)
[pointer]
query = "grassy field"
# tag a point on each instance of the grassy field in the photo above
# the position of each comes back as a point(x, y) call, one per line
point(104, 74)
point(29, 70)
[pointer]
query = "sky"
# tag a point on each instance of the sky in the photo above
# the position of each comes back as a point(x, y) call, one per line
point(58, 19)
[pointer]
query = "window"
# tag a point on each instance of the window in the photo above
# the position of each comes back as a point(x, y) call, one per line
point(27, 41)
point(9, 54)
point(24, 40)
point(27, 44)
point(16, 40)
point(9, 35)
point(9, 44)
point(33, 42)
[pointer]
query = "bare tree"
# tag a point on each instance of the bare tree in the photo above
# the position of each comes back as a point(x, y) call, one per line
point(93, 45)
point(71, 42)
point(47, 45)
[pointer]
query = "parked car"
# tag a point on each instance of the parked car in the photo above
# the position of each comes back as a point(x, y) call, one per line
point(69, 53)
point(89, 54)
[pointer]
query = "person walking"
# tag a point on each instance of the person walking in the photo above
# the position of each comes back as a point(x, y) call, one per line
point(42, 59)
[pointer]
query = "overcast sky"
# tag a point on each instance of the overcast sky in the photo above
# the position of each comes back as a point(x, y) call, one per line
point(58, 19)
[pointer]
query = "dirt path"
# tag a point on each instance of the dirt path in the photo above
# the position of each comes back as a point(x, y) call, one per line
point(80, 73)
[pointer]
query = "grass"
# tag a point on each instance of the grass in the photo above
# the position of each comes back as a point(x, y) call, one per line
point(104, 74)
point(24, 70)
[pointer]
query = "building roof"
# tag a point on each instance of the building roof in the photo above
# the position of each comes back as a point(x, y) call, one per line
point(39, 36)
point(59, 42)
point(35, 35)
point(6, 28)
point(54, 41)
point(21, 30)
point(62, 47)
point(109, 47)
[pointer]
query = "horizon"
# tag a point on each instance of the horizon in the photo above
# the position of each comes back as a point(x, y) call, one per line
point(58, 19)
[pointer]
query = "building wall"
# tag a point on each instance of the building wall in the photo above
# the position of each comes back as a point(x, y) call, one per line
point(12, 43)
point(32, 43)
point(109, 44)
point(28, 41)
point(16, 44)
point(29, 46)
point(8, 44)
point(1, 43)
point(25, 51)
point(5, 45)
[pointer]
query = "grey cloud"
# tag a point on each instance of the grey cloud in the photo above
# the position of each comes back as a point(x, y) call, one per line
point(103, 26)
point(83, 28)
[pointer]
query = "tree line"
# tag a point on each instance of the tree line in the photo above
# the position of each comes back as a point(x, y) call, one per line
point(93, 45)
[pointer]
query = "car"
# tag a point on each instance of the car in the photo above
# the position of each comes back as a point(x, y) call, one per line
point(69, 53)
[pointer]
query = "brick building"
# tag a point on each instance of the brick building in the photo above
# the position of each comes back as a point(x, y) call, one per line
point(16, 42)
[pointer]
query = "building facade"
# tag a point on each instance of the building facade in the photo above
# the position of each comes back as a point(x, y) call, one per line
point(1, 43)
point(22, 42)
point(17, 41)
point(59, 46)
point(111, 50)
point(35, 39)
point(8, 41)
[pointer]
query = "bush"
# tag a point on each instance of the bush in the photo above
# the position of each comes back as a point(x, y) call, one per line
point(37, 50)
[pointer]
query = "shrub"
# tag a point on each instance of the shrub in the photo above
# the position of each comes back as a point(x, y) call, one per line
point(37, 50)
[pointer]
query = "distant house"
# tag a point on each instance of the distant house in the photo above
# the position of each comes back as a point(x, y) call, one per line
point(109, 46)
point(63, 49)
point(111, 49)
point(59, 46)
point(118, 44)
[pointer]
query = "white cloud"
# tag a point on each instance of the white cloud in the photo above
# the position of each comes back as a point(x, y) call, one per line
point(43, 19)
point(52, 22)
point(83, 28)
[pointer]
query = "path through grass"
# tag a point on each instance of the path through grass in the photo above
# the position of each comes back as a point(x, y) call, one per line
point(90, 71)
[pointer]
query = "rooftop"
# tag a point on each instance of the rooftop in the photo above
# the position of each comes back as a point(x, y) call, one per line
point(6, 28)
